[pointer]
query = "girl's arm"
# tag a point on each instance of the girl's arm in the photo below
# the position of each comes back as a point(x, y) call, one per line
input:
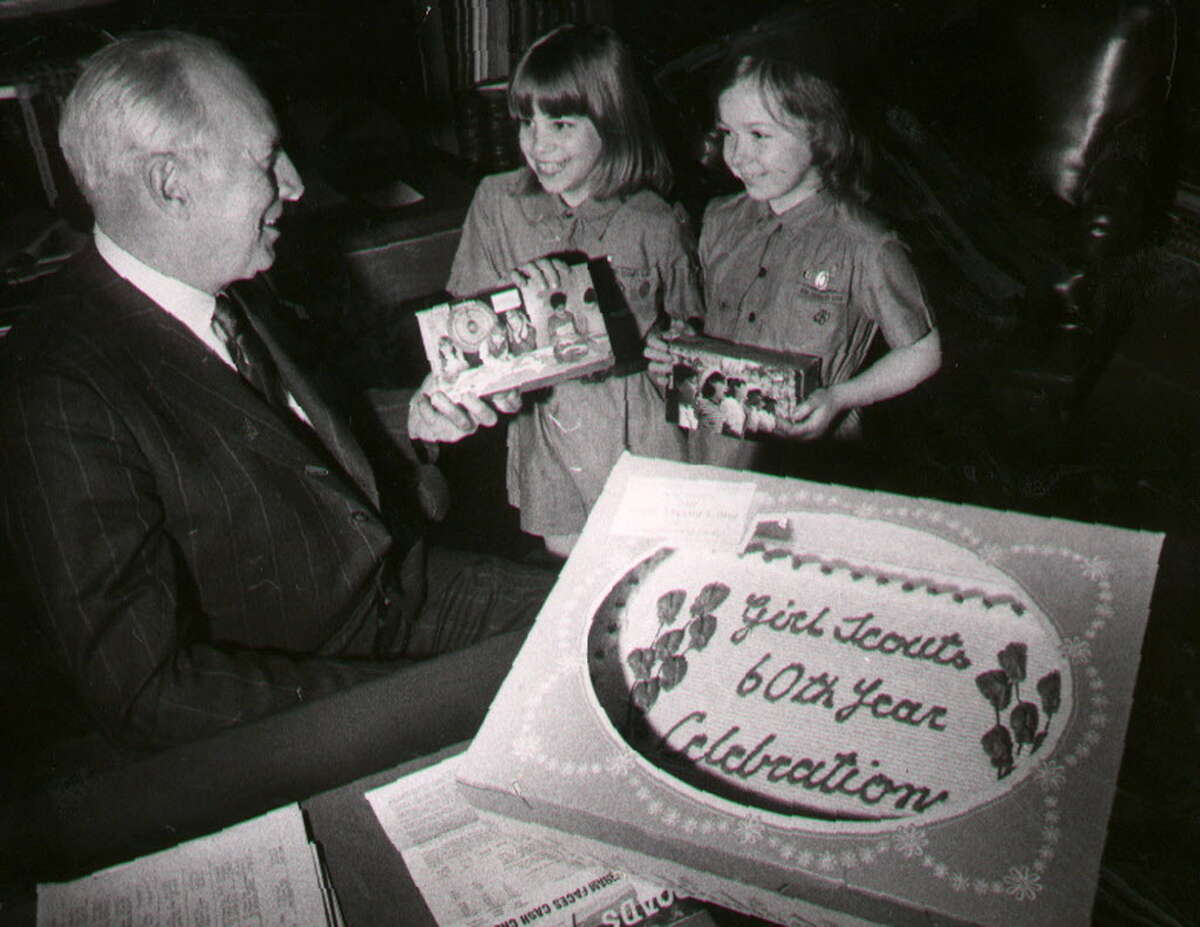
point(679, 270)
point(477, 261)
point(682, 299)
point(891, 293)
point(894, 374)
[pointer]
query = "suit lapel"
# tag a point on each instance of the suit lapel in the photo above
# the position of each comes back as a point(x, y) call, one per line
point(335, 435)
point(197, 382)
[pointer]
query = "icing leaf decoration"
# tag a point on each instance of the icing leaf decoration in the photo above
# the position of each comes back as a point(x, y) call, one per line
point(701, 630)
point(998, 745)
point(641, 661)
point(672, 672)
point(1024, 720)
point(996, 687)
point(1049, 687)
point(669, 604)
point(644, 693)
point(668, 643)
point(709, 598)
point(1012, 659)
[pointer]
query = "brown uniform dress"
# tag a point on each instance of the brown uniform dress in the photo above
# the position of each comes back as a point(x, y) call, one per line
point(820, 279)
point(561, 449)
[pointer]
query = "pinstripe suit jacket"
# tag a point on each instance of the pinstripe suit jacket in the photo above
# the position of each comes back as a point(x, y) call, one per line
point(198, 559)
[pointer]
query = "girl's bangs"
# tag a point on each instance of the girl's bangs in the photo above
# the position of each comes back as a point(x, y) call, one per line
point(554, 96)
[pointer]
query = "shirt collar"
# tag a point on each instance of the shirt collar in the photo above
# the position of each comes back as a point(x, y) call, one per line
point(192, 307)
point(540, 206)
point(807, 208)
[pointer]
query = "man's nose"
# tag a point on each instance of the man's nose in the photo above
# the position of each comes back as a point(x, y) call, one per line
point(291, 187)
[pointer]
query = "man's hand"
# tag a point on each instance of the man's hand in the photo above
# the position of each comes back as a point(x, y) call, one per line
point(434, 416)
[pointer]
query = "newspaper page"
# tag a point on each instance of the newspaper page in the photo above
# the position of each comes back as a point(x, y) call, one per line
point(473, 874)
point(262, 871)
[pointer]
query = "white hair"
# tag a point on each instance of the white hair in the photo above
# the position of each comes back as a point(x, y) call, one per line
point(137, 97)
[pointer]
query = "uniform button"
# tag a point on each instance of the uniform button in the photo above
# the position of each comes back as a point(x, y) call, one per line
point(359, 516)
point(725, 305)
point(752, 316)
point(762, 271)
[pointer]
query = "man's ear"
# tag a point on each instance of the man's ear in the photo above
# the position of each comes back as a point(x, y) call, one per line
point(167, 184)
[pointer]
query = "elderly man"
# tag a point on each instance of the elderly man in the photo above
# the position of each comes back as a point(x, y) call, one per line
point(202, 533)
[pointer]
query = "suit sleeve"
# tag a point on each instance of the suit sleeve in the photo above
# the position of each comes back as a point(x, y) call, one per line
point(89, 533)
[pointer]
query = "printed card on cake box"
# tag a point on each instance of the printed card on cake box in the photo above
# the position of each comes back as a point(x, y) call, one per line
point(517, 338)
point(879, 708)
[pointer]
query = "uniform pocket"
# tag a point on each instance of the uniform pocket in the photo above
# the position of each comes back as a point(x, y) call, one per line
point(638, 287)
point(818, 306)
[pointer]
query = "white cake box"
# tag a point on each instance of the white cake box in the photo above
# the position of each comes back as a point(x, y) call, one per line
point(817, 704)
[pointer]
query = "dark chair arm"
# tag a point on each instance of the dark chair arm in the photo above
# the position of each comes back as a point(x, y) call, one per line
point(74, 828)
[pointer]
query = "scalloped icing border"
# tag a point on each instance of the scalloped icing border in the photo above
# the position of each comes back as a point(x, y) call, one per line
point(908, 583)
point(824, 855)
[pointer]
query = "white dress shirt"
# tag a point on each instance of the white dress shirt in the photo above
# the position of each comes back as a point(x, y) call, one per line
point(193, 307)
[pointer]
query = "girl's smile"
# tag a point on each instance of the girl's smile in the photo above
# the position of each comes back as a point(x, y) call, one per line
point(562, 152)
point(772, 158)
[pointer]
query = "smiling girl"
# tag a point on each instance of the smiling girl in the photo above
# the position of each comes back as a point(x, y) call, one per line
point(592, 182)
point(796, 263)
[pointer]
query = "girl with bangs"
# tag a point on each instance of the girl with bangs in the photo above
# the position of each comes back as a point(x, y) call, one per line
point(796, 262)
point(591, 186)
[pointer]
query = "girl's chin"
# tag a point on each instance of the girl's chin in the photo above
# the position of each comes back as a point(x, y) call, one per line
point(757, 191)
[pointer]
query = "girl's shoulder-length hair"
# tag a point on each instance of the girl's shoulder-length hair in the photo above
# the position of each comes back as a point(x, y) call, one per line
point(586, 70)
point(793, 92)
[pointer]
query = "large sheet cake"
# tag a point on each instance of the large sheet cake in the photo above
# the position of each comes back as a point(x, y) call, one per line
point(823, 705)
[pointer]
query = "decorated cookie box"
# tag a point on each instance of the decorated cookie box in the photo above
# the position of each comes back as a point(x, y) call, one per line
point(736, 389)
point(817, 704)
point(517, 337)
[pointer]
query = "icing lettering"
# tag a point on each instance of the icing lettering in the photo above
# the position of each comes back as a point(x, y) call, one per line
point(946, 650)
point(882, 705)
point(841, 776)
point(758, 612)
point(820, 690)
point(817, 690)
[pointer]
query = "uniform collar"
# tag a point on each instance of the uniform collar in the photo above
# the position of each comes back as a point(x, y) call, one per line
point(539, 206)
point(798, 215)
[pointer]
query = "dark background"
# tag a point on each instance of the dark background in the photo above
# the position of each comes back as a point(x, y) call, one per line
point(367, 93)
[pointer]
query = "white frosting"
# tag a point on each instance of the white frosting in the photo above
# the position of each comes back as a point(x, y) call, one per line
point(834, 684)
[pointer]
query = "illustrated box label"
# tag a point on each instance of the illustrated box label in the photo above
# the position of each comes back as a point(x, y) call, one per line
point(517, 338)
point(738, 390)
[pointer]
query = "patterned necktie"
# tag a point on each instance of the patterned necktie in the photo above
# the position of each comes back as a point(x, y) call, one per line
point(249, 354)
